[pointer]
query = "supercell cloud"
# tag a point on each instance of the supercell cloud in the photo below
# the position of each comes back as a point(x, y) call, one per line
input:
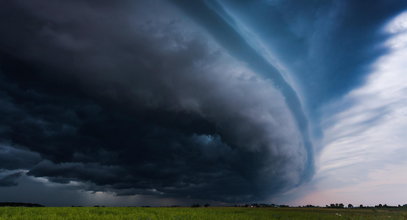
point(216, 101)
point(136, 98)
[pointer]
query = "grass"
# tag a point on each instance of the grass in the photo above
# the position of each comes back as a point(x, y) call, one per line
point(224, 213)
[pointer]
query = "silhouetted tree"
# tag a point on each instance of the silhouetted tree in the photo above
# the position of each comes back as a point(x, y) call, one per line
point(336, 206)
point(15, 204)
point(350, 206)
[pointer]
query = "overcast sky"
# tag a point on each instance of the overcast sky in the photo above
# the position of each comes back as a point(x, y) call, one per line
point(175, 102)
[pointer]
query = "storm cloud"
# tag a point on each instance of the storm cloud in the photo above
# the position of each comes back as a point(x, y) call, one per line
point(133, 97)
point(10, 179)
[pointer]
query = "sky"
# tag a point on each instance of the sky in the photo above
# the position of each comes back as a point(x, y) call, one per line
point(174, 102)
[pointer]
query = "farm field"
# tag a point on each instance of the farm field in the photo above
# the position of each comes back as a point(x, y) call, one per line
point(224, 213)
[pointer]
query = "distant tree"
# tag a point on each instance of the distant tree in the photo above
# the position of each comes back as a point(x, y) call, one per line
point(350, 206)
point(336, 206)
point(16, 204)
point(195, 205)
point(207, 205)
point(360, 206)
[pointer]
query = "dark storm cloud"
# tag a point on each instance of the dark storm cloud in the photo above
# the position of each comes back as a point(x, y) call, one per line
point(132, 97)
point(13, 158)
point(10, 179)
point(211, 15)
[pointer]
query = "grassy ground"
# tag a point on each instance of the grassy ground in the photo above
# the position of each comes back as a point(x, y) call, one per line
point(102, 213)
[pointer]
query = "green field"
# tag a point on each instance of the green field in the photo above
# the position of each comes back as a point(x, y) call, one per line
point(107, 213)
